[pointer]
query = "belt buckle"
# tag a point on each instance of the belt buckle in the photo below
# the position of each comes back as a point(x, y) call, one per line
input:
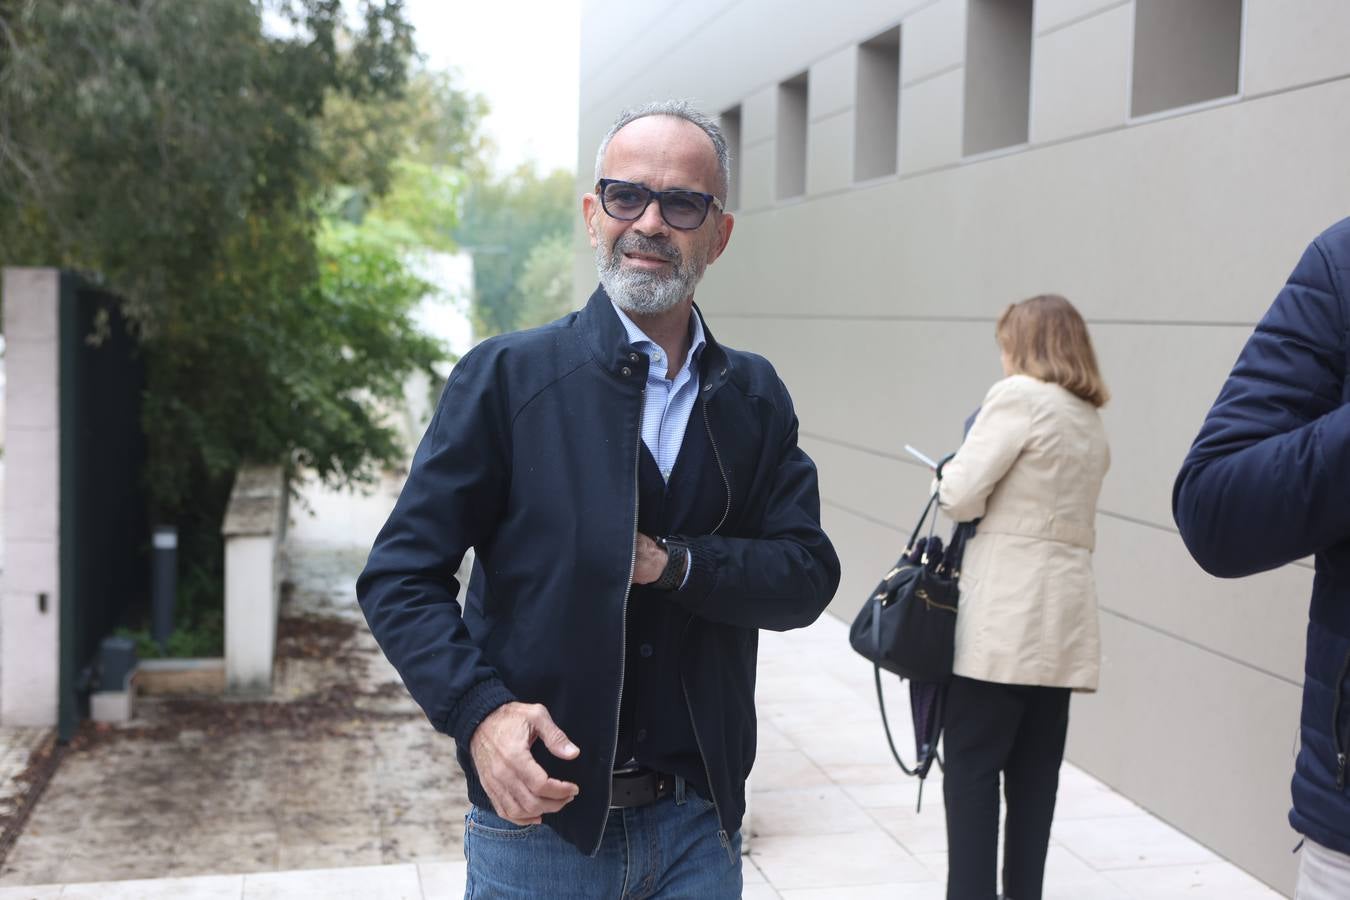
point(646, 785)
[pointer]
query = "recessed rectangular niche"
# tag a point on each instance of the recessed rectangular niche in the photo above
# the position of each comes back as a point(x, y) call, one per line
point(877, 114)
point(731, 130)
point(792, 122)
point(998, 74)
point(1184, 53)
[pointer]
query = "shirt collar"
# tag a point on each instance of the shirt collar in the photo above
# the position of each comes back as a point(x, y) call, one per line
point(638, 337)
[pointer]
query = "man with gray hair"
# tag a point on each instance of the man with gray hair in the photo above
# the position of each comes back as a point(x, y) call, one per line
point(639, 509)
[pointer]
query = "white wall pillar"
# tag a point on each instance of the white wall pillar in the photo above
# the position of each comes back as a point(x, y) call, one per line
point(30, 599)
point(253, 530)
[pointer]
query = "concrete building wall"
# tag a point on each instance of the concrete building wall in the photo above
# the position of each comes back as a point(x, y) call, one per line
point(876, 298)
point(30, 600)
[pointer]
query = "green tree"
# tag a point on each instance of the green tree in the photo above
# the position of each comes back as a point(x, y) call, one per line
point(189, 158)
point(504, 220)
point(181, 155)
point(543, 292)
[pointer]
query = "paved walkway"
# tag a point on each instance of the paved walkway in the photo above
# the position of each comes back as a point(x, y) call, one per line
point(832, 818)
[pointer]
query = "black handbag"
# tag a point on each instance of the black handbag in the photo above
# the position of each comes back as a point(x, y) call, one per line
point(908, 627)
point(908, 624)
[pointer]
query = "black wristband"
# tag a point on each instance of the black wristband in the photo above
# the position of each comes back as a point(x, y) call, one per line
point(677, 564)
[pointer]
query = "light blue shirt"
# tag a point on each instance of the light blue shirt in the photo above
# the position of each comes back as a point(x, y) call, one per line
point(668, 402)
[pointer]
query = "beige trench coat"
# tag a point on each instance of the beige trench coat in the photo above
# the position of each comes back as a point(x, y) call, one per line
point(1032, 466)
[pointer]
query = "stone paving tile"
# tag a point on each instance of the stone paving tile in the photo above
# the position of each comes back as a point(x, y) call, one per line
point(1206, 881)
point(35, 892)
point(835, 860)
point(769, 738)
point(1083, 797)
point(372, 883)
point(442, 881)
point(1067, 876)
point(899, 794)
point(893, 891)
point(1129, 842)
point(783, 768)
point(808, 810)
point(923, 833)
point(867, 775)
point(208, 887)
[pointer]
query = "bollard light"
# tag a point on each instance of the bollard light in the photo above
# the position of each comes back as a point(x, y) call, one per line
point(163, 584)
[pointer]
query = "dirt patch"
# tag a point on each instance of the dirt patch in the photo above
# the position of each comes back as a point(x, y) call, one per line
point(329, 710)
point(319, 637)
point(31, 782)
point(336, 767)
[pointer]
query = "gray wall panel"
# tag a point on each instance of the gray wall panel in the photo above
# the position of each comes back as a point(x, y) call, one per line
point(1163, 381)
point(1196, 218)
point(1204, 743)
point(889, 382)
point(1144, 574)
point(1284, 50)
point(715, 49)
point(876, 391)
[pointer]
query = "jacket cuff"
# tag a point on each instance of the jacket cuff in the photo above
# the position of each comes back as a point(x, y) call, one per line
point(475, 706)
point(700, 580)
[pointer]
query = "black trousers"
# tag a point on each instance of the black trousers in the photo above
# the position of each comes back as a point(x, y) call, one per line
point(1017, 731)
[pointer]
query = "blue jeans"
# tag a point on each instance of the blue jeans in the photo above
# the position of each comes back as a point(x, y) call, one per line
point(670, 849)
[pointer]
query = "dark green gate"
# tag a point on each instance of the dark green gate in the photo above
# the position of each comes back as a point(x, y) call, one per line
point(104, 533)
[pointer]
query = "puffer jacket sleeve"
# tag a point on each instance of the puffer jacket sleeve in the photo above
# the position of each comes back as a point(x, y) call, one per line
point(995, 440)
point(453, 498)
point(1267, 480)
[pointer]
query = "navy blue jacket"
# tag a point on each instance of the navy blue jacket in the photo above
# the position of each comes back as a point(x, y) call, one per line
point(1267, 482)
point(532, 459)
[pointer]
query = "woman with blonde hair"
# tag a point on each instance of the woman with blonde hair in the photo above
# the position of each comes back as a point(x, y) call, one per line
point(1030, 471)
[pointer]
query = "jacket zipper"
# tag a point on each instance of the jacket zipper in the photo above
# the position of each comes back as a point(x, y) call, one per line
point(623, 647)
point(698, 742)
point(720, 470)
point(1342, 747)
point(693, 723)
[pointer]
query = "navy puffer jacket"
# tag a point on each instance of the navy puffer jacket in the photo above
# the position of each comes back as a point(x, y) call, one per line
point(1267, 482)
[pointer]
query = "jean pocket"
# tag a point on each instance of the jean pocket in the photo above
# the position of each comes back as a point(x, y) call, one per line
point(699, 803)
point(488, 824)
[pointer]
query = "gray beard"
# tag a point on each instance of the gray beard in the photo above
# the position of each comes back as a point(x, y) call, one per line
point(645, 293)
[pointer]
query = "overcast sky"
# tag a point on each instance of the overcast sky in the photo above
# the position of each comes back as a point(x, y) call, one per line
point(523, 55)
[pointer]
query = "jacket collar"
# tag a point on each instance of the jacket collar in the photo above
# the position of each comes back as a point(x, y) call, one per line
point(608, 342)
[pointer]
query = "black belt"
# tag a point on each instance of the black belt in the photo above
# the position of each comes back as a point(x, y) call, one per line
point(641, 787)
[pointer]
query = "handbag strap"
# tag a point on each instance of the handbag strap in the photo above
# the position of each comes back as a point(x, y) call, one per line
point(885, 723)
point(956, 551)
point(918, 526)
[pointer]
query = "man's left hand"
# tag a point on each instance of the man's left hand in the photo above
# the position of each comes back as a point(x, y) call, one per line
point(651, 560)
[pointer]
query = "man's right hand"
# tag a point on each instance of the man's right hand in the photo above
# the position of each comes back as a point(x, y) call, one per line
point(520, 790)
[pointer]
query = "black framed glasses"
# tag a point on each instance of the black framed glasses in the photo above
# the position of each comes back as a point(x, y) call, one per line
point(626, 201)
